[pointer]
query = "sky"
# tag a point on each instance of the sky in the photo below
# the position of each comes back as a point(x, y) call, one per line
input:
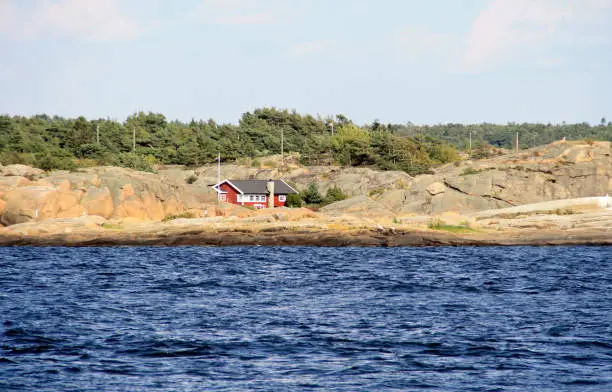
point(399, 61)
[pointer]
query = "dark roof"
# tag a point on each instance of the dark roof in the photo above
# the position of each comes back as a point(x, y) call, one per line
point(260, 186)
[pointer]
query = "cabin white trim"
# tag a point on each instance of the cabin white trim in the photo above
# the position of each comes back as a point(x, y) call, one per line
point(216, 187)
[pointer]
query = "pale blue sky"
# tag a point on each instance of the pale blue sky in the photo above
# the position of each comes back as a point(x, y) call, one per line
point(423, 61)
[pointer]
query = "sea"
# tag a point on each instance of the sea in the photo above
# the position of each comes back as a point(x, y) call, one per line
point(306, 319)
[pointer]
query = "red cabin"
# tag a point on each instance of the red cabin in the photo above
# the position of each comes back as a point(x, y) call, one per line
point(254, 193)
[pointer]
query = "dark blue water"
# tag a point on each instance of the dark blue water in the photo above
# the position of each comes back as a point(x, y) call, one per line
point(254, 318)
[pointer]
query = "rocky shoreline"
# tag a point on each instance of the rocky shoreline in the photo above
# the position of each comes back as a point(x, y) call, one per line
point(280, 235)
point(551, 195)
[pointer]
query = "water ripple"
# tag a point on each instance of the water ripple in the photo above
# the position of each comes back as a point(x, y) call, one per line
point(333, 319)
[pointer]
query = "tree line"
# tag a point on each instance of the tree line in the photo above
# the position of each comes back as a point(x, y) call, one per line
point(146, 139)
point(503, 136)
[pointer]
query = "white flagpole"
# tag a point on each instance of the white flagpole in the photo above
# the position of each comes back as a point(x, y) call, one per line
point(219, 177)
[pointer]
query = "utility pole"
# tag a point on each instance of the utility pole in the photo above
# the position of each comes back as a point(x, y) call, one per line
point(282, 146)
point(331, 146)
point(517, 143)
point(98, 134)
point(470, 142)
point(133, 139)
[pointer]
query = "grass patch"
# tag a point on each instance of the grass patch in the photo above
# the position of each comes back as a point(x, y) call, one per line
point(111, 226)
point(401, 184)
point(566, 211)
point(272, 164)
point(376, 192)
point(184, 215)
point(470, 171)
point(438, 224)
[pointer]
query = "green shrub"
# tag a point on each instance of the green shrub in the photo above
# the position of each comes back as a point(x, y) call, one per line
point(191, 179)
point(469, 171)
point(438, 224)
point(376, 192)
point(49, 162)
point(184, 215)
point(311, 195)
point(333, 195)
point(134, 161)
point(111, 226)
point(270, 163)
point(15, 158)
point(91, 150)
point(294, 200)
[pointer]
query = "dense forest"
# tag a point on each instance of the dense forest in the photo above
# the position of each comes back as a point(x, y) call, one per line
point(146, 139)
point(530, 135)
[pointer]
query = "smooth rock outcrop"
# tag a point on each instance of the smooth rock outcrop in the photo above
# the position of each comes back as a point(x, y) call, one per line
point(21, 171)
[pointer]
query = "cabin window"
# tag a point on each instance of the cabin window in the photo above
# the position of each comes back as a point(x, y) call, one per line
point(239, 199)
point(223, 197)
point(252, 198)
point(282, 197)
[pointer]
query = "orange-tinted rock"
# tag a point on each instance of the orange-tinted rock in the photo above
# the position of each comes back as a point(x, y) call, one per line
point(44, 183)
point(98, 201)
point(95, 181)
point(131, 207)
point(64, 187)
point(66, 201)
point(153, 206)
point(127, 191)
point(24, 204)
point(172, 207)
point(8, 183)
point(73, 212)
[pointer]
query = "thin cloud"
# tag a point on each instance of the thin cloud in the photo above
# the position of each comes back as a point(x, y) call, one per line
point(416, 40)
point(263, 18)
point(96, 20)
point(239, 12)
point(312, 48)
point(8, 17)
point(507, 29)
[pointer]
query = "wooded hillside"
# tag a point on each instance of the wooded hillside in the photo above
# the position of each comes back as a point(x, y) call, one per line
point(145, 139)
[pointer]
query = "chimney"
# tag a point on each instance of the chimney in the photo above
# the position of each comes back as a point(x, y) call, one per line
point(270, 186)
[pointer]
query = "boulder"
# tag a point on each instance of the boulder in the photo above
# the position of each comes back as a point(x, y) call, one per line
point(361, 206)
point(8, 183)
point(21, 171)
point(286, 214)
point(26, 204)
point(436, 188)
point(393, 199)
point(58, 226)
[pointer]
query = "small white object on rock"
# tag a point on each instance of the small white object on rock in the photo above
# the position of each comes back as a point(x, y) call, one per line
point(605, 202)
